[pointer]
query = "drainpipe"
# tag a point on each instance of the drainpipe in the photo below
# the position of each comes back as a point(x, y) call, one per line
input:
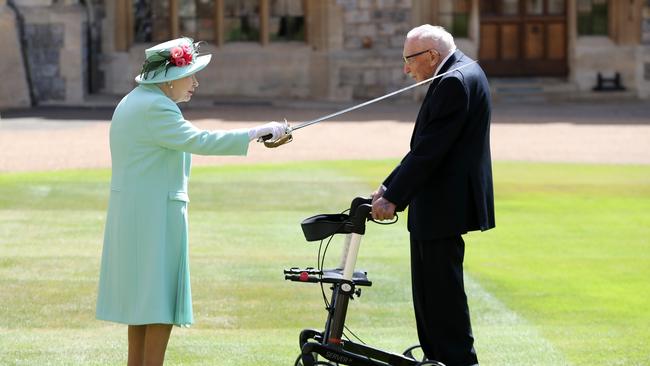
point(20, 21)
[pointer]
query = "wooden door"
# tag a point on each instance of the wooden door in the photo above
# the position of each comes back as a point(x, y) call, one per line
point(523, 37)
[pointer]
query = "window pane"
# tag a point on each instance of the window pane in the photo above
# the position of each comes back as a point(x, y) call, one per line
point(187, 18)
point(460, 25)
point(535, 7)
point(287, 21)
point(241, 20)
point(197, 19)
point(599, 16)
point(142, 21)
point(454, 16)
point(510, 7)
point(205, 17)
point(151, 20)
point(592, 17)
point(556, 6)
point(584, 6)
point(584, 24)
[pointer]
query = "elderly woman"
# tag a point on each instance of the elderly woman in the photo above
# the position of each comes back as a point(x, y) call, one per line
point(145, 278)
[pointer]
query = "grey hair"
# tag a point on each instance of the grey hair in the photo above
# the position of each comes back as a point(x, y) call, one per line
point(435, 37)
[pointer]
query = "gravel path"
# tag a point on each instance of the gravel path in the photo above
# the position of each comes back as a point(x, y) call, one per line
point(63, 138)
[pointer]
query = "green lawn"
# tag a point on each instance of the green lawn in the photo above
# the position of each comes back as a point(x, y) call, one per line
point(563, 280)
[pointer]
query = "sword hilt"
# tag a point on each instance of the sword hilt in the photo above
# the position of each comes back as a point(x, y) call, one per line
point(287, 138)
point(281, 141)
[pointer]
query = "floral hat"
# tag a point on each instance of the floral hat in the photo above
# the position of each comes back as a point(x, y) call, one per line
point(171, 60)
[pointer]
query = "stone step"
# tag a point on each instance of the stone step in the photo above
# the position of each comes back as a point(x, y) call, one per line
point(530, 89)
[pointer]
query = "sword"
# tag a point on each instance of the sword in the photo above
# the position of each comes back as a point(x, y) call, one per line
point(288, 138)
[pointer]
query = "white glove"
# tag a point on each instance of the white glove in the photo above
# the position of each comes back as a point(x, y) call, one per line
point(275, 129)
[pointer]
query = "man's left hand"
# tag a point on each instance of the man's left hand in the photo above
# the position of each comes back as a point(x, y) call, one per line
point(383, 209)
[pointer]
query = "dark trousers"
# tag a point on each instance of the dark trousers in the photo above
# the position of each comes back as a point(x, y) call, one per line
point(439, 300)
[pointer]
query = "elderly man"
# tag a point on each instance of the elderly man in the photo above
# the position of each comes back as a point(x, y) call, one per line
point(446, 181)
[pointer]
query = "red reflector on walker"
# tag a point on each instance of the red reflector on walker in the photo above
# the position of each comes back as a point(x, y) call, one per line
point(334, 340)
point(304, 276)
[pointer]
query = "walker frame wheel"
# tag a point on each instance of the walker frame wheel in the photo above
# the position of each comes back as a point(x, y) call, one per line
point(416, 353)
point(315, 363)
point(418, 356)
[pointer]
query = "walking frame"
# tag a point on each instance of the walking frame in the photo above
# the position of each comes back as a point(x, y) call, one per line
point(345, 284)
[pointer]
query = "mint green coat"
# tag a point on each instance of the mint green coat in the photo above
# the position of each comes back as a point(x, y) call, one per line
point(145, 276)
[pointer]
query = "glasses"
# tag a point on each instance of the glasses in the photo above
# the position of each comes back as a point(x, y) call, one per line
point(407, 58)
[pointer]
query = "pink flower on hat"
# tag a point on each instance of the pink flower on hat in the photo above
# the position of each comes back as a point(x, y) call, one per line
point(181, 55)
point(176, 52)
point(180, 62)
point(188, 55)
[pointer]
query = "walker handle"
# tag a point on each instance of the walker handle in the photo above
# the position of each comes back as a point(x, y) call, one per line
point(360, 212)
point(358, 201)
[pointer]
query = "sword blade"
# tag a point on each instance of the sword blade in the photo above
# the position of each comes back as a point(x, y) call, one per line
point(320, 119)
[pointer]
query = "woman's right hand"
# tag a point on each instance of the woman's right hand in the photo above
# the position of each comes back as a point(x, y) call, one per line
point(274, 129)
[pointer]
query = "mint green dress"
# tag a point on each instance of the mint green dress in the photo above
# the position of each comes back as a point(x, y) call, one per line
point(145, 273)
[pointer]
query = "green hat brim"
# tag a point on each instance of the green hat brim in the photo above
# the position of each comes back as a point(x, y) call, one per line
point(175, 73)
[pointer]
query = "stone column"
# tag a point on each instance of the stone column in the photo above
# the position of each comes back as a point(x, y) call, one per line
point(424, 12)
point(14, 93)
point(265, 13)
point(474, 30)
point(643, 55)
point(326, 40)
point(572, 35)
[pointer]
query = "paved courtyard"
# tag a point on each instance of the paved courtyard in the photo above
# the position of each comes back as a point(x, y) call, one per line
point(599, 132)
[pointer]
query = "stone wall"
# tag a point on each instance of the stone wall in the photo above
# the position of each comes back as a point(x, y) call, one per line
point(43, 48)
point(55, 45)
point(354, 52)
point(236, 70)
point(595, 55)
point(373, 33)
point(643, 54)
point(604, 55)
point(14, 89)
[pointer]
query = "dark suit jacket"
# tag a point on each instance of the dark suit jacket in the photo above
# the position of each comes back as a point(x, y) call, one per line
point(446, 177)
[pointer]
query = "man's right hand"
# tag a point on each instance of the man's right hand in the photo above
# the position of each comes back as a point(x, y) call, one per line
point(383, 209)
point(379, 193)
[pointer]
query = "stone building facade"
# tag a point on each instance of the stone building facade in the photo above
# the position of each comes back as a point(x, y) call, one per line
point(339, 50)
